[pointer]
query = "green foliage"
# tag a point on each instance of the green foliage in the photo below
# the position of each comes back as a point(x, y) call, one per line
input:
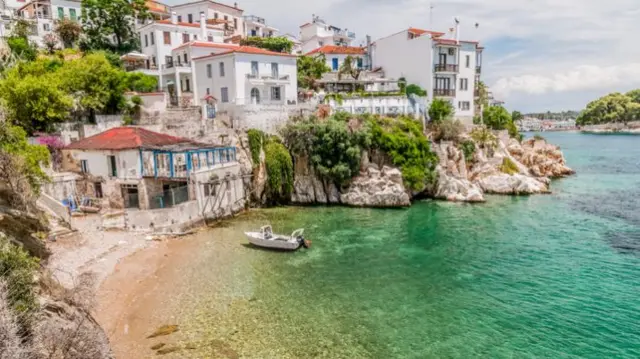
point(516, 116)
point(310, 69)
point(538, 138)
point(483, 95)
point(403, 141)
point(68, 31)
point(496, 117)
point(21, 28)
point(484, 138)
point(614, 107)
point(402, 84)
point(634, 95)
point(108, 24)
point(337, 97)
point(279, 172)
point(139, 82)
point(21, 161)
point(416, 90)
point(21, 47)
point(447, 130)
point(440, 110)
point(509, 167)
point(349, 67)
point(256, 137)
point(333, 148)
point(277, 44)
point(18, 269)
point(468, 147)
point(513, 131)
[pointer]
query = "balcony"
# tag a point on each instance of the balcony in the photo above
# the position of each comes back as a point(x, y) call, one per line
point(254, 19)
point(444, 93)
point(344, 33)
point(267, 78)
point(445, 68)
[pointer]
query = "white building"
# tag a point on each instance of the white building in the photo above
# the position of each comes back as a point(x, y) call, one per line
point(318, 33)
point(297, 44)
point(257, 26)
point(445, 68)
point(228, 18)
point(335, 55)
point(43, 13)
point(246, 76)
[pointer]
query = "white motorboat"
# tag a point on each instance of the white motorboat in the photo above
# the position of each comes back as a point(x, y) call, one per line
point(266, 239)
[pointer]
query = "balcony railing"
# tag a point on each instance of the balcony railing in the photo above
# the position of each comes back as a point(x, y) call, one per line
point(254, 18)
point(445, 68)
point(444, 93)
point(139, 66)
point(344, 33)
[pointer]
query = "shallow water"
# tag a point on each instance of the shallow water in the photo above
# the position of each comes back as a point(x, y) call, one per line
point(554, 276)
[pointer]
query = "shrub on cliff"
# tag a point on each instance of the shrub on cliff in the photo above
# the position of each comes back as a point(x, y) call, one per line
point(17, 269)
point(279, 172)
point(447, 130)
point(440, 110)
point(509, 167)
point(468, 147)
point(402, 139)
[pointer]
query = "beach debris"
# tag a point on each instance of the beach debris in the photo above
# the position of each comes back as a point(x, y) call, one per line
point(158, 346)
point(168, 350)
point(164, 330)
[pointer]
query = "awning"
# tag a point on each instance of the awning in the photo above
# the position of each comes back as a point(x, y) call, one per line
point(133, 56)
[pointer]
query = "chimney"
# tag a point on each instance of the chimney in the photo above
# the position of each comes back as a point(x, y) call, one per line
point(203, 26)
point(457, 31)
point(369, 63)
point(235, 4)
point(174, 17)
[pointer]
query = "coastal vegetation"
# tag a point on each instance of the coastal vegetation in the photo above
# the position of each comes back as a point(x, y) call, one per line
point(468, 147)
point(612, 108)
point(509, 167)
point(311, 69)
point(277, 44)
point(278, 165)
point(440, 109)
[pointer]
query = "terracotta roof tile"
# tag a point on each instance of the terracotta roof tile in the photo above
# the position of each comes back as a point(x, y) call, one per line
point(419, 32)
point(246, 50)
point(215, 45)
point(341, 50)
point(122, 138)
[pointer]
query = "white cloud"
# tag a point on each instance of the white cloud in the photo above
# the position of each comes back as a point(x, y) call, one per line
point(585, 77)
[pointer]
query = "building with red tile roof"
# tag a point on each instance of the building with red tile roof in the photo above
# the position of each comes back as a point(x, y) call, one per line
point(126, 138)
point(338, 50)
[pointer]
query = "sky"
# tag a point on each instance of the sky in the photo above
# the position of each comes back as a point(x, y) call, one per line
point(539, 54)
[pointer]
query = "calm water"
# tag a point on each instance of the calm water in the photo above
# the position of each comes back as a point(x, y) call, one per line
point(554, 276)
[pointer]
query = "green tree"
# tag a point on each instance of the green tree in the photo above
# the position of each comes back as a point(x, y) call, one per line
point(615, 107)
point(440, 110)
point(516, 116)
point(22, 28)
point(483, 95)
point(310, 69)
point(349, 67)
point(634, 95)
point(21, 48)
point(68, 31)
point(139, 82)
point(496, 117)
point(416, 90)
point(277, 44)
point(110, 24)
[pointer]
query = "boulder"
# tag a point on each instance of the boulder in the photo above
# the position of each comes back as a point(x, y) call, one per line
point(502, 183)
point(457, 189)
point(375, 188)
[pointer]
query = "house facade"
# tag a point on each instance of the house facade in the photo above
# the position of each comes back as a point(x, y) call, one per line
point(446, 68)
point(318, 33)
point(43, 14)
point(229, 18)
point(133, 168)
point(335, 55)
point(258, 26)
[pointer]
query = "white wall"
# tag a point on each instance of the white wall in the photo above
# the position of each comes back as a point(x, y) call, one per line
point(401, 57)
point(210, 9)
point(468, 73)
point(378, 105)
point(127, 162)
point(66, 5)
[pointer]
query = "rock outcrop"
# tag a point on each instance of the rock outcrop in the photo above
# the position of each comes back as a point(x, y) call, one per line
point(541, 158)
point(453, 183)
point(377, 188)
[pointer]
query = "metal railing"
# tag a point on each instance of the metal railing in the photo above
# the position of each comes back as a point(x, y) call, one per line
point(169, 198)
point(445, 68)
point(444, 92)
point(254, 18)
point(349, 34)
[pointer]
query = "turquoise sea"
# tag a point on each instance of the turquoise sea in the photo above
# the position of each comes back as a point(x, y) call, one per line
point(551, 276)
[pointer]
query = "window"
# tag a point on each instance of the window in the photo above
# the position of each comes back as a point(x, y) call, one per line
point(209, 72)
point(254, 68)
point(60, 13)
point(179, 18)
point(255, 96)
point(210, 38)
point(195, 37)
point(464, 105)
point(334, 64)
point(221, 67)
point(97, 189)
point(359, 62)
point(46, 27)
point(274, 70)
point(111, 164)
point(226, 17)
point(153, 61)
point(215, 15)
point(254, 33)
point(464, 84)
point(187, 85)
point(224, 94)
point(186, 59)
point(185, 38)
point(146, 40)
point(208, 91)
point(320, 43)
point(468, 61)
point(167, 37)
point(235, 23)
point(72, 14)
point(190, 18)
point(84, 166)
point(275, 94)
point(153, 38)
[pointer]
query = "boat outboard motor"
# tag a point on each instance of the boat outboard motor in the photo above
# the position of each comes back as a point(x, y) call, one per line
point(303, 242)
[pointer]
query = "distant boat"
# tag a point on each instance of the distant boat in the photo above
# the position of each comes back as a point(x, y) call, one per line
point(266, 239)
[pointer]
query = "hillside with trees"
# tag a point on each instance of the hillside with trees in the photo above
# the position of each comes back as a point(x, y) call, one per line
point(612, 108)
